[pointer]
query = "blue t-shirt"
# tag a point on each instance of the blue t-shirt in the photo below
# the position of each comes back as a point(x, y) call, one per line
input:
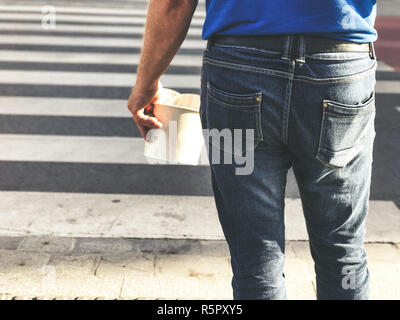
point(351, 20)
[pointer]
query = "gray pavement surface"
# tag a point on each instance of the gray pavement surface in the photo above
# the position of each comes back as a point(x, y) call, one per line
point(101, 268)
point(74, 222)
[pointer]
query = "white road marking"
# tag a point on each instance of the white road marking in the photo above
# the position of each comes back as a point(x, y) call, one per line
point(64, 107)
point(84, 18)
point(80, 28)
point(90, 79)
point(90, 58)
point(86, 41)
point(91, 10)
point(80, 149)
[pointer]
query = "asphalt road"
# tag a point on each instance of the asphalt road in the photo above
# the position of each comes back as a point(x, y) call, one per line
point(63, 93)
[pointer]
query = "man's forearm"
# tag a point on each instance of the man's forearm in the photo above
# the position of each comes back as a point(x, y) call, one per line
point(167, 24)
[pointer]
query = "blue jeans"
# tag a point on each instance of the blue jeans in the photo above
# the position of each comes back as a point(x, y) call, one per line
point(310, 112)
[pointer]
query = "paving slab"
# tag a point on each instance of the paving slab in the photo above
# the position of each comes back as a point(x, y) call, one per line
point(384, 280)
point(75, 275)
point(383, 252)
point(192, 266)
point(47, 244)
point(22, 273)
point(10, 243)
point(133, 264)
point(299, 278)
point(113, 245)
point(12, 261)
point(177, 288)
point(200, 270)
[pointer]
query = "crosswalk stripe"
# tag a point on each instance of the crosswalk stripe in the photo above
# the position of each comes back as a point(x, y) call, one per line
point(64, 107)
point(92, 10)
point(84, 18)
point(75, 91)
point(95, 29)
point(123, 79)
point(91, 79)
point(71, 149)
point(87, 49)
point(81, 149)
point(109, 215)
point(382, 66)
point(92, 67)
point(76, 41)
point(387, 87)
point(89, 58)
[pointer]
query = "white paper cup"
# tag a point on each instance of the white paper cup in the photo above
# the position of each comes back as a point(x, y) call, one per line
point(180, 140)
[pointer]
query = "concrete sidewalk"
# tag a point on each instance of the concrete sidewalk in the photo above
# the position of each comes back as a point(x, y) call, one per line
point(115, 268)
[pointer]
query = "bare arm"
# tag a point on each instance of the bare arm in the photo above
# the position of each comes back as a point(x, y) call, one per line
point(167, 24)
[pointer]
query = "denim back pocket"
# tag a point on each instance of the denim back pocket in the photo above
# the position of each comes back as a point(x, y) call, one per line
point(344, 131)
point(233, 120)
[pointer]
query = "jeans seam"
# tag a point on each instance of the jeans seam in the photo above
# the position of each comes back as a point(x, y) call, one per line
point(235, 66)
point(333, 59)
point(247, 48)
point(362, 141)
point(287, 102)
point(259, 126)
point(317, 156)
point(366, 104)
point(339, 58)
point(233, 106)
point(350, 115)
point(337, 79)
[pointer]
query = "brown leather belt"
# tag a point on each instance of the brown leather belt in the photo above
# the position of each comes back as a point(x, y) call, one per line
point(313, 44)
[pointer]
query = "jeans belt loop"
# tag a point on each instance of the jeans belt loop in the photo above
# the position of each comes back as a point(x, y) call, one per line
point(302, 50)
point(372, 50)
point(209, 44)
point(287, 46)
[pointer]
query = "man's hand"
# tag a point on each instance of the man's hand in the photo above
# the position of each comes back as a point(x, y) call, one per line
point(167, 23)
point(140, 105)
